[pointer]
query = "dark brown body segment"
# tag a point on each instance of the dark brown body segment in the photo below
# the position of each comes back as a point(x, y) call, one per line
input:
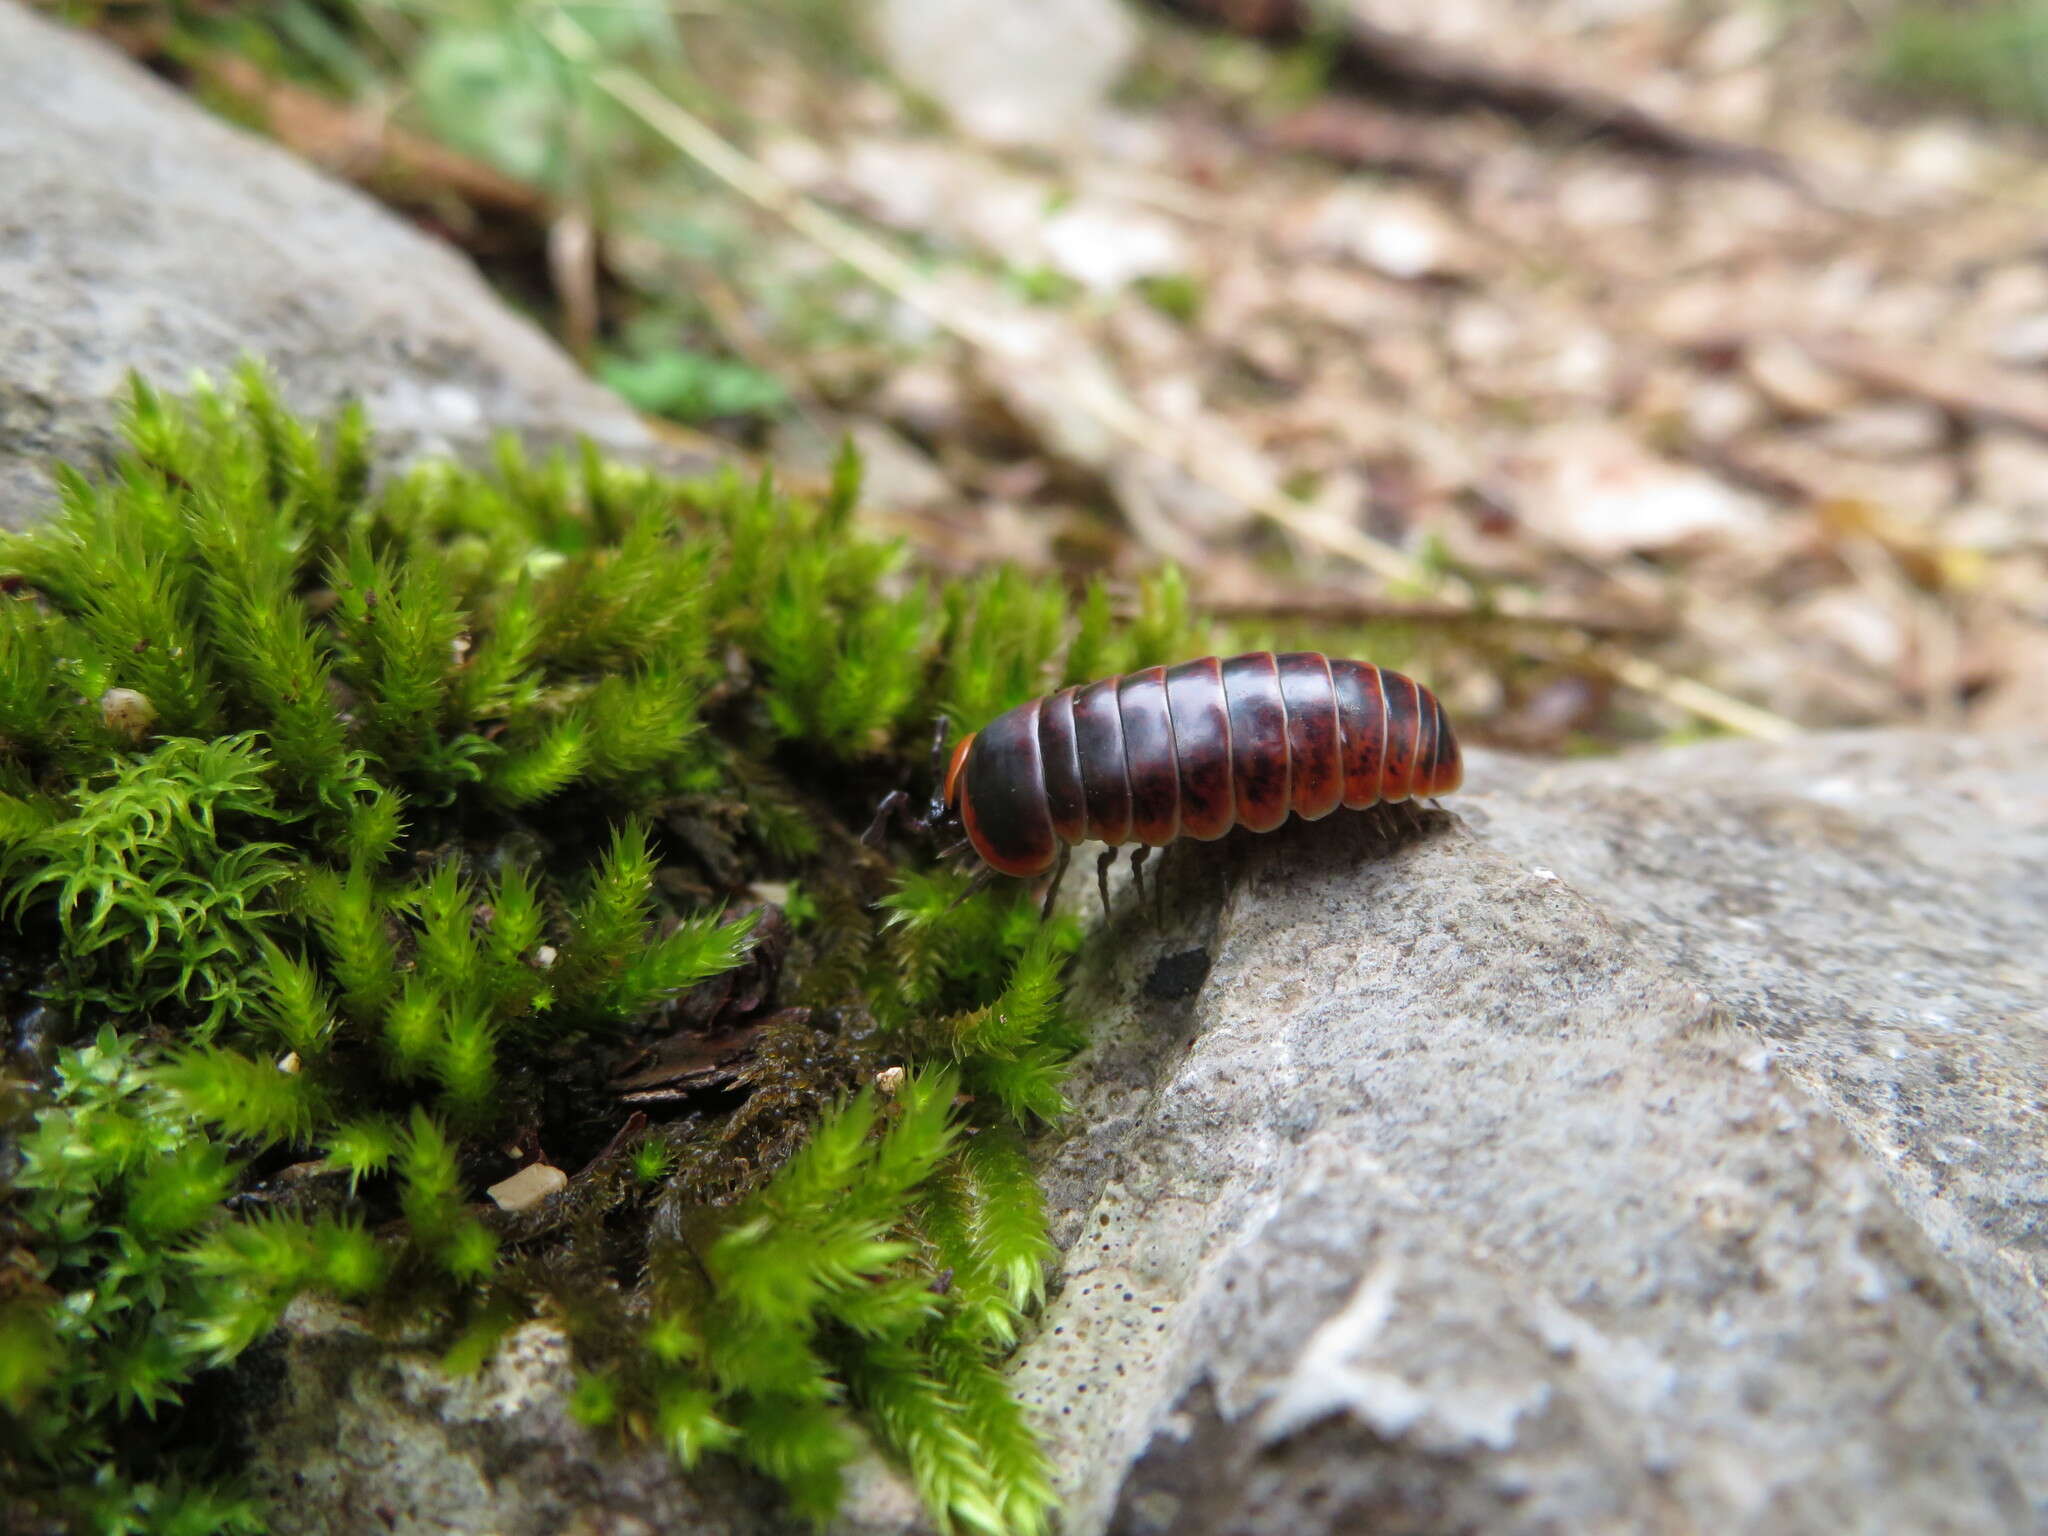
point(1002, 795)
point(1195, 749)
point(1425, 744)
point(1059, 749)
point(1258, 740)
point(1311, 699)
point(1448, 772)
point(1105, 788)
point(1201, 744)
point(1403, 721)
point(1362, 720)
point(1149, 760)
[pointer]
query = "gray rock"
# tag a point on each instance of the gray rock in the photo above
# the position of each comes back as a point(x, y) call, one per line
point(362, 1436)
point(1654, 1147)
point(137, 232)
point(1648, 1145)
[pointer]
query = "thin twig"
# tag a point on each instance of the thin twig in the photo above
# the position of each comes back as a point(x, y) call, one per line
point(1114, 410)
point(1377, 61)
point(1343, 608)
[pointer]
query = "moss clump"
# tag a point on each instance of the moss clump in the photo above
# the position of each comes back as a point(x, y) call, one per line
point(352, 837)
point(1991, 59)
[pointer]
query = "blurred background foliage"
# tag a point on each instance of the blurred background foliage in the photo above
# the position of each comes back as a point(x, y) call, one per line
point(1840, 547)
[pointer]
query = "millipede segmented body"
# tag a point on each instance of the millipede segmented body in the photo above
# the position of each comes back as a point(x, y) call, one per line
point(1194, 750)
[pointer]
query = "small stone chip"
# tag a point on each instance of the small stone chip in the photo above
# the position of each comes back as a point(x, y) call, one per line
point(127, 713)
point(528, 1187)
point(889, 1079)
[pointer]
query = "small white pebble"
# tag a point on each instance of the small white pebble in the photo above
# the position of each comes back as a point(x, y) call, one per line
point(889, 1079)
point(290, 1064)
point(528, 1187)
point(545, 956)
point(127, 712)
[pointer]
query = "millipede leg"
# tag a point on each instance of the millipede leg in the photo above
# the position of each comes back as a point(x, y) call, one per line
point(1102, 878)
point(1052, 886)
point(954, 850)
point(1138, 870)
point(895, 806)
point(979, 883)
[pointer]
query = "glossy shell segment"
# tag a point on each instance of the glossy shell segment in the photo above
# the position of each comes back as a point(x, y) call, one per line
point(1194, 750)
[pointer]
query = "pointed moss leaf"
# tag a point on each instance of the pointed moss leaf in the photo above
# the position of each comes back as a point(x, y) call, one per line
point(469, 1250)
point(349, 1261)
point(353, 929)
point(178, 1191)
point(465, 1061)
point(529, 773)
point(499, 674)
point(981, 1307)
point(1090, 656)
point(636, 721)
point(30, 1353)
point(1025, 1011)
point(363, 1146)
point(1009, 1228)
point(1027, 1085)
point(823, 1224)
point(594, 1401)
point(374, 822)
point(1019, 1473)
point(846, 480)
point(21, 818)
point(697, 950)
point(923, 1422)
point(297, 1006)
point(686, 1417)
point(413, 1025)
point(398, 623)
point(448, 952)
point(801, 1445)
point(427, 1170)
point(250, 1100)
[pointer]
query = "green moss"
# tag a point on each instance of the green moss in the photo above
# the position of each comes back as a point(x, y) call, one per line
point(353, 834)
point(1991, 59)
point(1176, 295)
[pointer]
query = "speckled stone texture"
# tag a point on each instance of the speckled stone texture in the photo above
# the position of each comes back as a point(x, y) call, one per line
point(139, 232)
point(1655, 1146)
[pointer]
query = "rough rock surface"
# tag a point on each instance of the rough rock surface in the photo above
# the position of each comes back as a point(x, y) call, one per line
point(1655, 1147)
point(137, 232)
point(364, 1437)
point(1650, 1147)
